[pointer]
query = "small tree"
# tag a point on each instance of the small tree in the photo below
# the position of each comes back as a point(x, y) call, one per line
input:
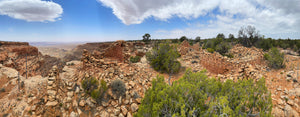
point(231, 37)
point(182, 38)
point(89, 84)
point(223, 48)
point(146, 37)
point(221, 36)
point(275, 58)
point(164, 58)
point(118, 87)
point(248, 36)
point(198, 39)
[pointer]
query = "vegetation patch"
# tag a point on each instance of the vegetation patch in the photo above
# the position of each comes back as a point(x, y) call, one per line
point(135, 59)
point(275, 58)
point(118, 87)
point(197, 95)
point(91, 87)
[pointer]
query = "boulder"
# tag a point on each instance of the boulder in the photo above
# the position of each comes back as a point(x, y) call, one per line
point(124, 110)
point(290, 112)
point(104, 114)
point(277, 112)
point(134, 107)
point(117, 111)
point(53, 103)
point(82, 103)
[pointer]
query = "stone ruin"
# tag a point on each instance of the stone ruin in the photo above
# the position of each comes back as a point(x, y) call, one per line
point(247, 62)
point(52, 87)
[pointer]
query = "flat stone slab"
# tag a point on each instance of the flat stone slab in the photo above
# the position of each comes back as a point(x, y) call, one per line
point(54, 103)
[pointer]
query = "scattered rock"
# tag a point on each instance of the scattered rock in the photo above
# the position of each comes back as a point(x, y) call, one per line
point(49, 103)
point(124, 110)
point(134, 107)
point(104, 114)
point(82, 103)
point(290, 112)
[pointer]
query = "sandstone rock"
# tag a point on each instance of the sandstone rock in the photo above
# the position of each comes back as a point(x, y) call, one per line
point(297, 91)
point(277, 112)
point(69, 99)
point(121, 115)
point(280, 102)
point(290, 112)
point(104, 103)
point(129, 114)
point(73, 114)
point(79, 111)
point(134, 107)
point(104, 114)
point(126, 102)
point(120, 100)
point(75, 103)
point(51, 92)
point(117, 111)
point(77, 90)
point(50, 82)
point(9, 72)
point(127, 96)
point(51, 78)
point(70, 94)
point(290, 102)
point(138, 100)
point(90, 103)
point(114, 103)
point(49, 103)
point(131, 83)
point(124, 110)
point(82, 103)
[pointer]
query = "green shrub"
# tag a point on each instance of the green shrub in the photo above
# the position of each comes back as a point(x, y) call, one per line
point(99, 92)
point(197, 95)
point(89, 84)
point(275, 58)
point(223, 48)
point(135, 59)
point(164, 59)
point(229, 55)
point(2, 90)
point(160, 57)
point(22, 84)
point(210, 50)
point(118, 87)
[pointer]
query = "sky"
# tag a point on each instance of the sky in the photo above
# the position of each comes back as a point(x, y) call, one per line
point(110, 20)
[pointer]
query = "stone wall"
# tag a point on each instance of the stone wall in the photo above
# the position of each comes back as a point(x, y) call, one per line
point(218, 64)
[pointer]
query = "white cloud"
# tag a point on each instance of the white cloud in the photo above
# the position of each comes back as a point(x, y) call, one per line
point(271, 17)
point(31, 10)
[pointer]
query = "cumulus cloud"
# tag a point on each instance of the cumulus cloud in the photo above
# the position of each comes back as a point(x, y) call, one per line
point(31, 10)
point(268, 16)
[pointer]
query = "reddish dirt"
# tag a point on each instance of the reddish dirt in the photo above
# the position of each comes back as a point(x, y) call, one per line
point(115, 51)
point(8, 88)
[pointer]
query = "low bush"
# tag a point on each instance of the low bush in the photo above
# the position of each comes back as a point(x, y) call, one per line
point(275, 58)
point(118, 87)
point(223, 48)
point(91, 87)
point(2, 90)
point(229, 55)
point(210, 50)
point(89, 84)
point(197, 95)
point(135, 59)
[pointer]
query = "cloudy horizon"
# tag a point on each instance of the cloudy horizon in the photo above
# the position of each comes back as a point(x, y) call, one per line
point(109, 20)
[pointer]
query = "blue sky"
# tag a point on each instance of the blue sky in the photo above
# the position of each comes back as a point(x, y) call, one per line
point(110, 20)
